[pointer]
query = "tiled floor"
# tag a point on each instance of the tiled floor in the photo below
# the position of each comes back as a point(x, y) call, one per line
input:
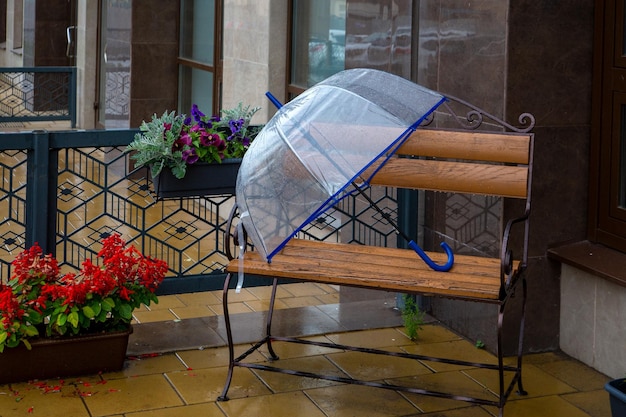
point(177, 366)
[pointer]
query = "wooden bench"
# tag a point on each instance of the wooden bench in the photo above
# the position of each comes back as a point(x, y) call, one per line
point(487, 163)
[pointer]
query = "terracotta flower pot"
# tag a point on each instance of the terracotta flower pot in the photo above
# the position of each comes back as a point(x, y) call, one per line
point(201, 179)
point(72, 356)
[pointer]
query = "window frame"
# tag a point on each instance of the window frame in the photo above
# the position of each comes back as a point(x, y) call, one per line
point(607, 220)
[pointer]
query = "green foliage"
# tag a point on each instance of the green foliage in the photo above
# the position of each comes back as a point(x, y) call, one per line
point(412, 317)
point(175, 141)
point(39, 301)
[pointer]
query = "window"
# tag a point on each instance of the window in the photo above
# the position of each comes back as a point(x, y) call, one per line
point(607, 207)
point(329, 36)
point(199, 56)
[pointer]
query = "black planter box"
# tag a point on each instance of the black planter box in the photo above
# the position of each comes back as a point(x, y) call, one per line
point(201, 179)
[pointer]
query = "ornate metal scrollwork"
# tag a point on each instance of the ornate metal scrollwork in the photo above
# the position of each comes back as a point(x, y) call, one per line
point(475, 117)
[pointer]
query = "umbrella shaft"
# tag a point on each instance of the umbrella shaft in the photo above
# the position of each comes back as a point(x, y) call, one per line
point(386, 216)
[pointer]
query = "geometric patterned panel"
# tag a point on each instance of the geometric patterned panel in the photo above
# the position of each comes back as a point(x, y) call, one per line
point(96, 198)
point(473, 221)
point(12, 207)
point(97, 195)
point(469, 224)
point(36, 94)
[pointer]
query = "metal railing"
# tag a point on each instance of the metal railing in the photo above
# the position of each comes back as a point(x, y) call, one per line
point(38, 94)
point(66, 190)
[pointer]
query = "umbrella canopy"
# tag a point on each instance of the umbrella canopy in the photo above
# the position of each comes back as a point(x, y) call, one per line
point(316, 148)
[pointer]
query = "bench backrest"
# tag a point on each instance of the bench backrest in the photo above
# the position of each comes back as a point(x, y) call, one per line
point(489, 163)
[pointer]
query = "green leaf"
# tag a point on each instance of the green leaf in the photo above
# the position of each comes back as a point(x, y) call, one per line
point(88, 312)
point(102, 316)
point(31, 331)
point(126, 311)
point(3, 337)
point(34, 317)
point(96, 307)
point(27, 344)
point(61, 319)
point(73, 318)
point(108, 304)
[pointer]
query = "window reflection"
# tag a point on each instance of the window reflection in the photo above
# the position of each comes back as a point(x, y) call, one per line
point(332, 35)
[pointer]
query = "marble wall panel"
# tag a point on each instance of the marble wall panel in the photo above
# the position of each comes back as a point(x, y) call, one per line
point(592, 313)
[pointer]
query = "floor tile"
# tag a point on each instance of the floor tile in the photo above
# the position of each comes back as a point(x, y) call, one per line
point(284, 383)
point(27, 399)
point(166, 302)
point(264, 305)
point(371, 338)
point(301, 301)
point(434, 333)
point(473, 411)
point(162, 337)
point(286, 350)
point(147, 365)
point(454, 382)
point(354, 400)
point(233, 308)
point(234, 297)
point(303, 289)
point(363, 315)
point(328, 298)
point(127, 395)
point(214, 357)
point(191, 312)
point(536, 382)
point(576, 374)
point(372, 367)
point(198, 298)
point(455, 349)
point(288, 404)
point(551, 406)
point(203, 385)
point(594, 403)
point(193, 410)
point(156, 316)
point(263, 292)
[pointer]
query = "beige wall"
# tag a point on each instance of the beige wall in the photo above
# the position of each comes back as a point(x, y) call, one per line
point(86, 63)
point(592, 321)
point(255, 53)
point(9, 57)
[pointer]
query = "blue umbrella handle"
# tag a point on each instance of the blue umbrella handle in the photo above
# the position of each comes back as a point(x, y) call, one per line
point(442, 268)
point(274, 100)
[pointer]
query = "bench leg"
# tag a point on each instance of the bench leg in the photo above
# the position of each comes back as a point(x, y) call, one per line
point(229, 337)
point(505, 392)
point(520, 348)
point(270, 314)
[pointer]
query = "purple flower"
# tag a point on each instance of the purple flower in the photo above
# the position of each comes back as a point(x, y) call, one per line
point(196, 113)
point(186, 139)
point(235, 125)
point(190, 156)
point(180, 143)
point(208, 139)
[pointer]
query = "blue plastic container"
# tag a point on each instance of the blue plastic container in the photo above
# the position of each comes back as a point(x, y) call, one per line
point(617, 396)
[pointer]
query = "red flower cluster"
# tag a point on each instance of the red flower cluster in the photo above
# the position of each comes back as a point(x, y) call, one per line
point(38, 300)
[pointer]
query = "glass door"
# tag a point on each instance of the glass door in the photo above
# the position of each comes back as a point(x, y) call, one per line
point(113, 92)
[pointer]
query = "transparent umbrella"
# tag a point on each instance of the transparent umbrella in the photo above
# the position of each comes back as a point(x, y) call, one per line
point(323, 146)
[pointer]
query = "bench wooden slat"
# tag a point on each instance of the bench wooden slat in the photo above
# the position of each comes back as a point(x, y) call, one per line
point(501, 180)
point(470, 145)
point(471, 277)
